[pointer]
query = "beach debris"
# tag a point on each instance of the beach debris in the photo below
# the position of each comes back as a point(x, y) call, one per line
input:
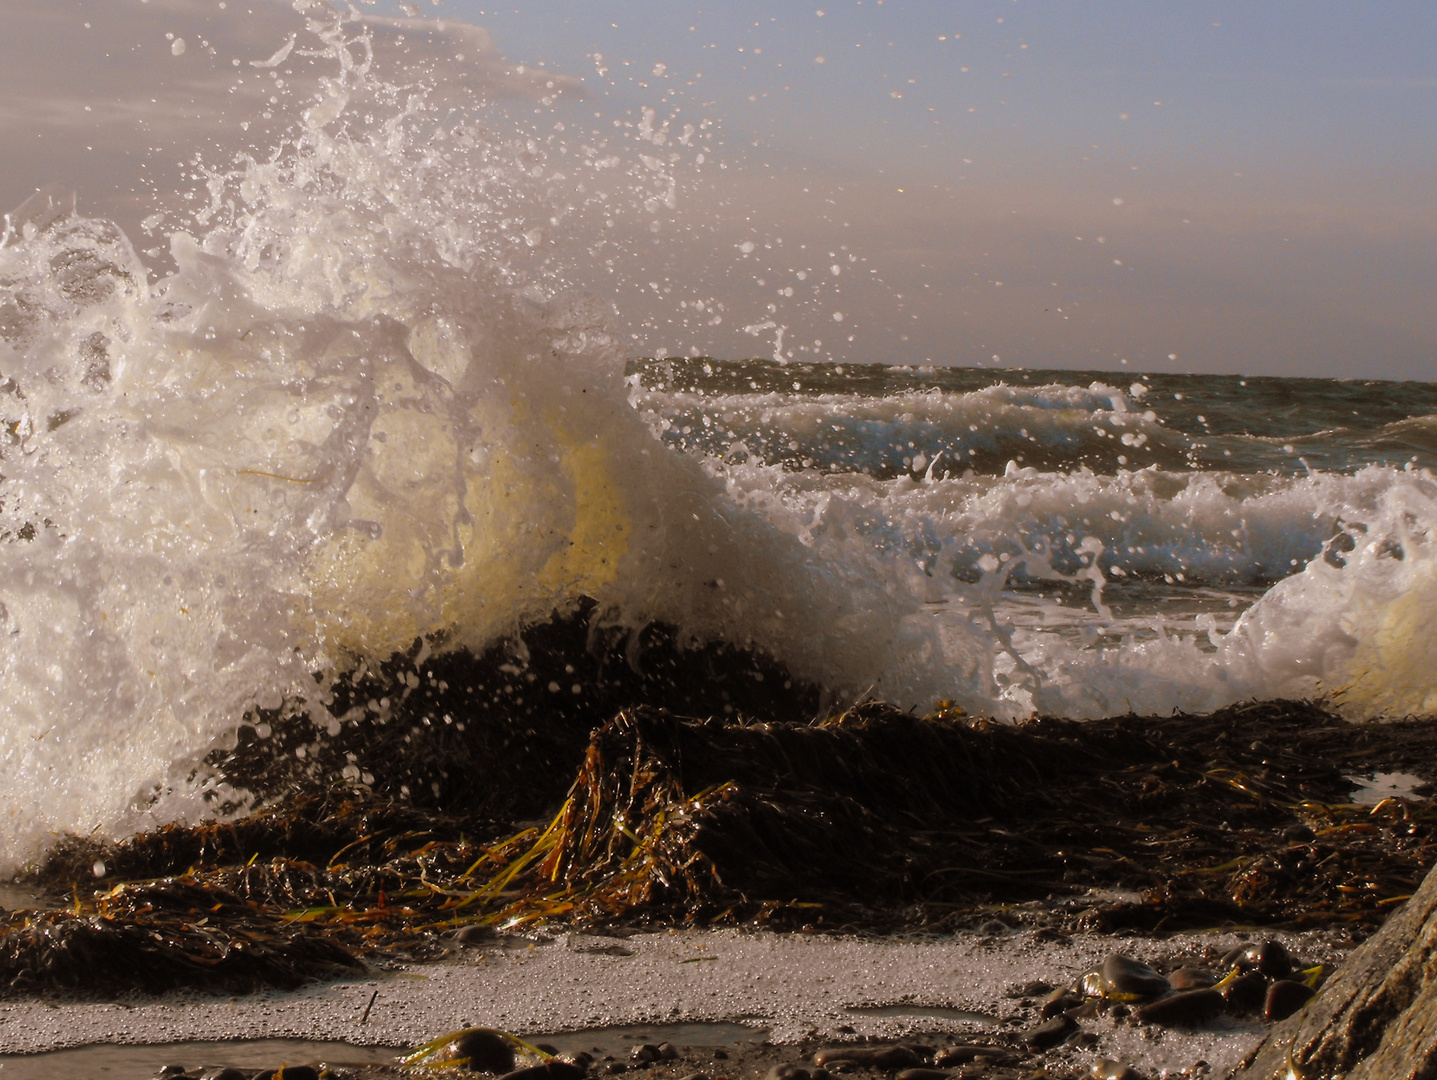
point(800, 825)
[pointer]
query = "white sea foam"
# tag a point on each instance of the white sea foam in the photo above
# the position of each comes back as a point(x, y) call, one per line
point(365, 408)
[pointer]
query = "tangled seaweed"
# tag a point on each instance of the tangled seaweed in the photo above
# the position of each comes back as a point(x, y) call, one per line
point(874, 819)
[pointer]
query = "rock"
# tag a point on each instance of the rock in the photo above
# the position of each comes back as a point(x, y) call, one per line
point(1051, 1032)
point(876, 1057)
point(950, 1056)
point(791, 1071)
point(486, 1049)
point(1028, 989)
point(645, 1054)
point(1188, 1007)
point(1126, 979)
point(1246, 993)
point(288, 1072)
point(720, 1054)
point(1059, 1001)
point(170, 1072)
point(924, 1074)
point(1190, 978)
point(1234, 957)
point(613, 1068)
point(1271, 958)
point(549, 1070)
point(1112, 1069)
point(1284, 998)
point(472, 934)
point(229, 1072)
point(695, 1076)
point(668, 1051)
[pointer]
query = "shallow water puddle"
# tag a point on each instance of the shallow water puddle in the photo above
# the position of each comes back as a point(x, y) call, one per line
point(925, 1012)
point(620, 1041)
point(1374, 787)
point(114, 1062)
point(143, 1062)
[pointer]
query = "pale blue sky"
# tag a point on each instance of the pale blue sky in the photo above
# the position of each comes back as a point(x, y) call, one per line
point(1194, 186)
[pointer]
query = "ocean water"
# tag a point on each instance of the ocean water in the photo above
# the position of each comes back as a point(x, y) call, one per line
point(362, 396)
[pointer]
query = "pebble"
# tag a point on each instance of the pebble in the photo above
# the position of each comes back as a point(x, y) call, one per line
point(668, 1051)
point(1029, 989)
point(878, 1057)
point(1186, 1007)
point(1190, 978)
point(1059, 1001)
point(229, 1072)
point(1246, 993)
point(1050, 1032)
point(1284, 998)
point(1271, 958)
point(1112, 1069)
point(549, 1070)
point(1124, 977)
point(790, 1071)
point(486, 1049)
point(964, 1053)
point(648, 1052)
point(924, 1074)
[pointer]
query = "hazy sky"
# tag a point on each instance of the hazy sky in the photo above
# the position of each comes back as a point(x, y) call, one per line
point(1196, 186)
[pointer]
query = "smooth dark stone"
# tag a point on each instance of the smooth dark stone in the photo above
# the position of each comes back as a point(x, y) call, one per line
point(668, 1051)
point(1298, 834)
point(229, 1072)
point(1246, 993)
point(487, 1051)
point(1272, 959)
point(1029, 989)
point(1284, 998)
point(1050, 1032)
point(472, 935)
point(1190, 978)
point(1187, 1007)
point(962, 1054)
point(168, 1072)
point(1059, 1001)
point(296, 1072)
point(1112, 1069)
point(720, 1054)
point(924, 1074)
point(788, 1070)
point(550, 1070)
point(647, 1052)
point(877, 1057)
point(1126, 977)
point(695, 1076)
point(1234, 957)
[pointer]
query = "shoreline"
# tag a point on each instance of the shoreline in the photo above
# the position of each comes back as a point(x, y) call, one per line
point(796, 990)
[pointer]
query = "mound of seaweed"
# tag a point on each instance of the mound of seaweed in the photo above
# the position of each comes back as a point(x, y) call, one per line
point(868, 820)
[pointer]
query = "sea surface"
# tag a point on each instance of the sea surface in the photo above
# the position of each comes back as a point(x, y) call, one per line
point(359, 404)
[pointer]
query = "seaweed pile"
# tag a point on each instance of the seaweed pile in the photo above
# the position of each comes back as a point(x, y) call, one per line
point(869, 820)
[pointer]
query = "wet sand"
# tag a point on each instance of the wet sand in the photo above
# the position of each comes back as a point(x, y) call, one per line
point(788, 988)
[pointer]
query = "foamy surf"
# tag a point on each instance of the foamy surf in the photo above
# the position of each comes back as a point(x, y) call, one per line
point(367, 408)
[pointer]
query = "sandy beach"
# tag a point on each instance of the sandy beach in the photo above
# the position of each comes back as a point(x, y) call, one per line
point(793, 990)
